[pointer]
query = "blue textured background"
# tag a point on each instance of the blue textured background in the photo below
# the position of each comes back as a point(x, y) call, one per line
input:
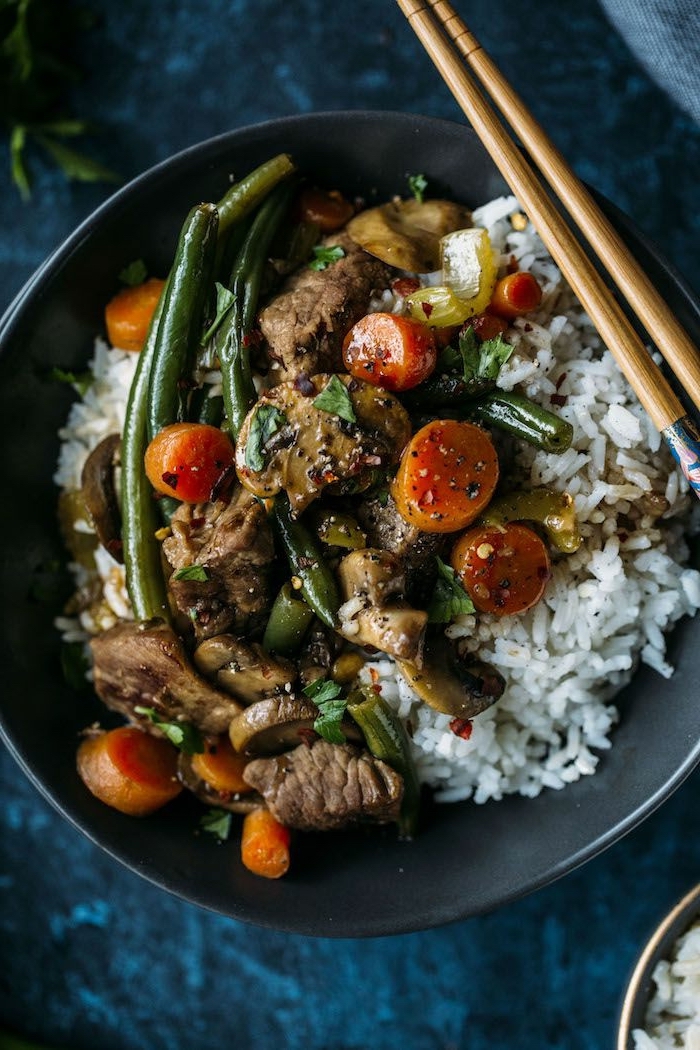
point(91, 956)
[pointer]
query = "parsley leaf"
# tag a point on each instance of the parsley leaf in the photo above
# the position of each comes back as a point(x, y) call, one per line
point(192, 572)
point(331, 706)
point(133, 274)
point(224, 301)
point(266, 422)
point(493, 355)
point(183, 735)
point(449, 598)
point(216, 822)
point(334, 398)
point(81, 381)
point(324, 256)
point(479, 362)
point(418, 184)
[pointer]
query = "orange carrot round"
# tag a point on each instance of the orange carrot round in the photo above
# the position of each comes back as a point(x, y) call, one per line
point(189, 461)
point(129, 770)
point(447, 475)
point(265, 844)
point(327, 210)
point(503, 569)
point(515, 294)
point(129, 313)
point(221, 767)
point(386, 350)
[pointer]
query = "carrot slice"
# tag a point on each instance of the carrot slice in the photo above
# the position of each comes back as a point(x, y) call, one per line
point(129, 313)
point(447, 475)
point(515, 294)
point(327, 210)
point(504, 569)
point(386, 350)
point(129, 770)
point(189, 461)
point(265, 844)
point(221, 767)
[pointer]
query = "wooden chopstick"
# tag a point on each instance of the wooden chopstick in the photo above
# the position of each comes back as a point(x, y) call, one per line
point(615, 329)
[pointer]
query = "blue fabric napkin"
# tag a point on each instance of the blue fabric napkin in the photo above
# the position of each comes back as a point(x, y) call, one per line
point(665, 37)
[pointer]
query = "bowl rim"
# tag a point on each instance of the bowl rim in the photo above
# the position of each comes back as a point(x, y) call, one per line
point(660, 943)
point(575, 854)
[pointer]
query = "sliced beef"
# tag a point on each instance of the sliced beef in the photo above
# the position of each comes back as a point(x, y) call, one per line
point(416, 550)
point(327, 786)
point(145, 664)
point(304, 326)
point(233, 544)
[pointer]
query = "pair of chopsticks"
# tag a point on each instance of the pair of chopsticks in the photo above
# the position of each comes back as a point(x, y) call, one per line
point(467, 69)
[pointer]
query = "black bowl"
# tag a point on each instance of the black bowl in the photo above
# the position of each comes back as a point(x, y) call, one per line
point(469, 859)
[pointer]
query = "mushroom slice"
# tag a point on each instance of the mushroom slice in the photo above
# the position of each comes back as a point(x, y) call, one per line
point(448, 684)
point(273, 725)
point(296, 440)
point(374, 611)
point(100, 494)
point(407, 234)
point(243, 669)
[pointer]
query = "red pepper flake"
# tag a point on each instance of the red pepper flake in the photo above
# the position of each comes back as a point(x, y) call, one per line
point(426, 308)
point(170, 479)
point(559, 399)
point(223, 483)
point(560, 380)
point(405, 285)
point(512, 266)
point(307, 735)
point(462, 727)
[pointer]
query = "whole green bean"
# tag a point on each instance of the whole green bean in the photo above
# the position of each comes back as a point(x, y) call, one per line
point(177, 336)
point(387, 739)
point(305, 557)
point(289, 620)
point(232, 339)
point(140, 520)
point(247, 193)
point(525, 419)
point(446, 389)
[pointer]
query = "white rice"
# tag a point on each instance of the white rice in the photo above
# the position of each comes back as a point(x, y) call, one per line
point(672, 1018)
point(607, 606)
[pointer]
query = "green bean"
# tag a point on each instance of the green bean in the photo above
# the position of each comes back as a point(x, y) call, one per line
point(387, 739)
point(177, 336)
point(305, 557)
point(232, 339)
point(289, 620)
point(446, 389)
point(142, 559)
point(525, 419)
point(246, 194)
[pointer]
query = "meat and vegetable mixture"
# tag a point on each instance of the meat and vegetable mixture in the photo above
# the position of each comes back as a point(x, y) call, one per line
point(315, 471)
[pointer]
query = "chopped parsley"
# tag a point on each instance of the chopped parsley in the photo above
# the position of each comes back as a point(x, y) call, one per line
point(133, 274)
point(331, 706)
point(192, 572)
point(418, 184)
point(216, 822)
point(224, 301)
point(479, 362)
point(266, 422)
point(80, 381)
point(184, 736)
point(449, 598)
point(334, 398)
point(325, 256)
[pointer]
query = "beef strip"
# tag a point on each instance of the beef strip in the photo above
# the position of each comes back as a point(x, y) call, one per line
point(416, 550)
point(304, 326)
point(145, 664)
point(234, 545)
point(325, 787)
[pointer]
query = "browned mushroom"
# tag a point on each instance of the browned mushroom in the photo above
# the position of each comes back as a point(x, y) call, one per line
point(100, 493)
point(449, 682)
point(244, 669)
point(407, 234)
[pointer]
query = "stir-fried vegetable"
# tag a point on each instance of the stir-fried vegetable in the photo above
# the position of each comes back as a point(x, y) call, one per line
point(525, 419)
point(129, 770)
point(504, 569)
point(390, 351)
point(265, 845)
point(190, 461)
point(306, 561)
point(516, 294)
point(327, 211)
point(289, 620)
point(446, 477)
point(128, 314)
point(221, 767)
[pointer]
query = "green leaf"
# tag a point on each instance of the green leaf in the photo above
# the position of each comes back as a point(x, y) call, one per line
point(224, 301)
point(325, 256)
point(192, 572)
point(265, 423)
point(17, 45)
point(418, 184)
point(477, 360)
point(76, 165)
point(20, 175)
point(493, 355)
point(216, 822)
point(81, 381)
point(449, 599)
point(334, 398)
point(183, 735)
point(134, 273)
point(325, 693)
